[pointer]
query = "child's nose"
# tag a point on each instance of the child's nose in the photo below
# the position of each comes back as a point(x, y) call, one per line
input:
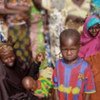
point(69, 52)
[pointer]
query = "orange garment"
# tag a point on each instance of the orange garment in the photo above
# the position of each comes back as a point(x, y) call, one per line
point(95, 64)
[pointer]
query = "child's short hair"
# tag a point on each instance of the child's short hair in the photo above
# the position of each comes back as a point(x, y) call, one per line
point(29, 83)
point(70, 33)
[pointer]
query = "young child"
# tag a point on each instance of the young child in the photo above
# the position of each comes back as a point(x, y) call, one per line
point(72, 75)
point(39, 82)
point(41, 87)
point(35, 66)
point(90, 49)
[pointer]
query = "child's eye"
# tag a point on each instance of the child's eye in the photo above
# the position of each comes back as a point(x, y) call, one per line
point(63, 49)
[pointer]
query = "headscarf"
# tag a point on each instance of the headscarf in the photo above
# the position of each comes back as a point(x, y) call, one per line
point(5, 49)
point(89, 45)
point(92, 22)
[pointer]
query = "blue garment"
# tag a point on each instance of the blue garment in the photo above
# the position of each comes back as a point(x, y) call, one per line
point(96, 3)
point(95, 7)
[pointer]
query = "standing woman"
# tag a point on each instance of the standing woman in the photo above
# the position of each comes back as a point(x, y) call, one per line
point(18, 32)
point(90, 49)
point(36, 29)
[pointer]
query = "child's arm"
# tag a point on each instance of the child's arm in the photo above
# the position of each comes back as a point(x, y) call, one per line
point(86, 97)
point(55, 95)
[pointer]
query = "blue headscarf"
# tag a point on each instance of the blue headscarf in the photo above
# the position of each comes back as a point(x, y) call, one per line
point(92, 22)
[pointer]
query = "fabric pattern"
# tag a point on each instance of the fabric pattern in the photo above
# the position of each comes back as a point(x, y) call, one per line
point(19, 38)
point(72, 80)
point(36, 32)
point(45, 86)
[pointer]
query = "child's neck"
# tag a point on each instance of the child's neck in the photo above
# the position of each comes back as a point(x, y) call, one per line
point(72, 61)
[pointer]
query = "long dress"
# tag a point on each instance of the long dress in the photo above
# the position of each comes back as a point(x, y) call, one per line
point(90, 50)
point(36, 32)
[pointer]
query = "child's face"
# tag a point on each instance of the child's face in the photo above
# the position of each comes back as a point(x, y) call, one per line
point(69, 50)
point(40, 57)
point(29, 83)
point(94, 30)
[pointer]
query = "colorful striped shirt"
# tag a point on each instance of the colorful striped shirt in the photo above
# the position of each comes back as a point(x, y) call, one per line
point(73, 80)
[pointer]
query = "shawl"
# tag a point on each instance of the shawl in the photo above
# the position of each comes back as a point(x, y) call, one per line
point(89, 45)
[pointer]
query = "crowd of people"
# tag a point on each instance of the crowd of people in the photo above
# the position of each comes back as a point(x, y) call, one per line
point(49, 49)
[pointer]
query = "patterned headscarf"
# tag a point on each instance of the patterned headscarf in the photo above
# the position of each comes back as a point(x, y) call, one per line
point(5, 49)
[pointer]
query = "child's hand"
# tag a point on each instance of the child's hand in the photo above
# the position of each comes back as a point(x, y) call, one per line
point(39, 95)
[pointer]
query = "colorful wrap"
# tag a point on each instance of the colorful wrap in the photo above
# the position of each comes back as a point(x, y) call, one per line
point(45, 86)
point(89, 45)
point(19, 39)
point(5, 49)
point(36, 32)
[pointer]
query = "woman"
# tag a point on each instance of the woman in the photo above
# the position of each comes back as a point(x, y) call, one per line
point(12, 71)
point(18, 32)
point(90, 49)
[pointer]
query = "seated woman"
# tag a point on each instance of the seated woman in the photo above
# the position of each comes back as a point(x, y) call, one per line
point(12, 72)
point(41, 85)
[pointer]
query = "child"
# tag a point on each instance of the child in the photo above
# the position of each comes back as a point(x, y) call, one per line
point(35, 66)
point(41, 87)
point(90, 49)
point(72, 75)
point(39, 82)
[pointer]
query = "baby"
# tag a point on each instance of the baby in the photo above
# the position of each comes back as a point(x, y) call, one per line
point(40, 87)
